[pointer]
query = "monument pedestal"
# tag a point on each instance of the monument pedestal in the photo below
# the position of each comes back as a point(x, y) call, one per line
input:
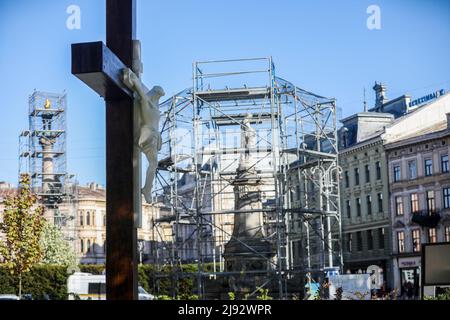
point(248, 268)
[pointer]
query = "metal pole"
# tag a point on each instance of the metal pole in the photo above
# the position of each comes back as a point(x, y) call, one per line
point(197, 168)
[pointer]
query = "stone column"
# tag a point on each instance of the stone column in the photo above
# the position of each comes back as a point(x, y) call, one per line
point(247, 250)
point(47, 164)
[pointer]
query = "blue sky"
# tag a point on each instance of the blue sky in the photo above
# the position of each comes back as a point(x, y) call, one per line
point(322, 46)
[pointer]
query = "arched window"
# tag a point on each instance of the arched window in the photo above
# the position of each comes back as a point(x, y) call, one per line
point(88, 219)
point(88, 246)
point(81, 246)
point(104, 220)
point(81, 218)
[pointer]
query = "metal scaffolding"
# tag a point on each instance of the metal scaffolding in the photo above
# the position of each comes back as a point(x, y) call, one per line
point(42, 155)
point(296, 161)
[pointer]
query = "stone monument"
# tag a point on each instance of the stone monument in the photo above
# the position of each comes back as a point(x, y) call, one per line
point(247, 250)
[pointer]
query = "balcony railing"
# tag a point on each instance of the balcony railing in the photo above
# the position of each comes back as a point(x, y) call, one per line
point(426, 218)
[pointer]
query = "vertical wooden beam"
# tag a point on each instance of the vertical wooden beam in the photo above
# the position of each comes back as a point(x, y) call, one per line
point(121, 246)
point(121, 28)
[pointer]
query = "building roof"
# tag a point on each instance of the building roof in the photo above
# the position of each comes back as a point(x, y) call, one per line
point(426, 119)
point(368, 114)
point(88, 192)
point(436, 131)
point(419, 122)
point(4, 193)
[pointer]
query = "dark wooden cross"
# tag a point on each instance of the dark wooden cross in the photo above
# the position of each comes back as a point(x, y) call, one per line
point(100, 67)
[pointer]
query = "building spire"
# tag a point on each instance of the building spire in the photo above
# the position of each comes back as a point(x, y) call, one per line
point(380, 94)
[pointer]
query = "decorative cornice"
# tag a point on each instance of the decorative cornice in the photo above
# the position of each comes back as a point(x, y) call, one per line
point(363, 145)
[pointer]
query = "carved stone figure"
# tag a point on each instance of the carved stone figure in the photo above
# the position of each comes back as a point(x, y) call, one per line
point(149, 138)
point(247, 250)
point(248, 142)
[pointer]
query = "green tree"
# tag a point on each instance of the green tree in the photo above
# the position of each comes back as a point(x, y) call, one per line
point(264, 294)
point(445, 295)
point(22, 226)
point(55, 249)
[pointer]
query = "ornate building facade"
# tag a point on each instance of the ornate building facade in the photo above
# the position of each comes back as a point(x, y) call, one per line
point(84, 226)
point(364, 203)
point(419, 179)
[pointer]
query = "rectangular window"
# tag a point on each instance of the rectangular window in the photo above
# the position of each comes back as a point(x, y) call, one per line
point(401, 241)
point(447, 234)
point(399, 206)
point(297, 190)
point(444, 163)
point(432, 237)
point(412, 168)
point(370, 239)
point(358, 207)
point(97, 288)
point(291, 191)
point(359, 241)
point(378, 169)
point(58, 220)
point(367, 172)
point(381, 238)
point(346, 179)
point(428, 167)
point(356, 176)
point(349, 243)
point(446, 196)
point(431, 204)
point(380, 202)
point(397, 173)
point(349, 209)
point(414, 199)
point(416, 240)
point(369, 204)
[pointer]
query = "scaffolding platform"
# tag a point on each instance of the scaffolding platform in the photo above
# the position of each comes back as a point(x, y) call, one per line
point(295, 161)
point(233, 94)
point(236, 119)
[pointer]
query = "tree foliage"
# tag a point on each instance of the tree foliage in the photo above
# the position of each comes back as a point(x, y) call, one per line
point(22, 224)
point(445, 295)
point(55, 249)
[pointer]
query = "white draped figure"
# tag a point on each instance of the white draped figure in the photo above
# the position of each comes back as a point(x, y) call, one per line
point(149, 137)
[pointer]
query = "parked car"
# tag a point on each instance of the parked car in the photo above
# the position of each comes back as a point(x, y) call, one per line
point(144, 295)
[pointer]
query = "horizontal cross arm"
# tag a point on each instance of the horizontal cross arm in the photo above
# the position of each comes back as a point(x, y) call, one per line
point(99, 68)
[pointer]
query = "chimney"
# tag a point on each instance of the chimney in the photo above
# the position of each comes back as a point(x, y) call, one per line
point(380, 95)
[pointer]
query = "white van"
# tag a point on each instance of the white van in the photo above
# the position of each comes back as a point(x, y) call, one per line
point(86, 286)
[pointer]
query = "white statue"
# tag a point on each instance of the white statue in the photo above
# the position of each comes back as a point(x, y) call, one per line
point(149, 138)
point(248, 142)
